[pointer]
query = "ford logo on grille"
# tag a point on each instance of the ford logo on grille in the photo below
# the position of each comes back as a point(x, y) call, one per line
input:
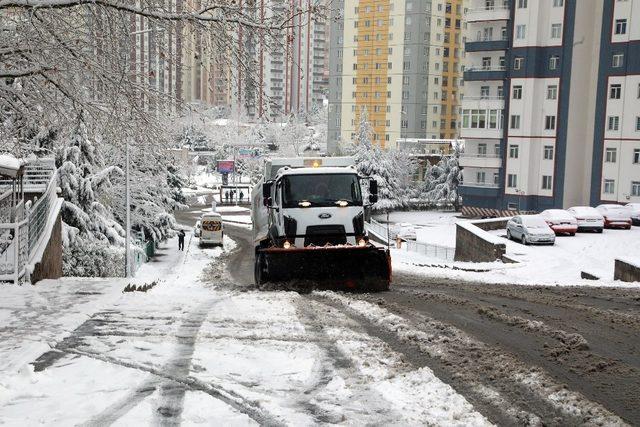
point(324, 215)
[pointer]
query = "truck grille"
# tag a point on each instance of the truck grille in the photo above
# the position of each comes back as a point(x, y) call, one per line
point(320, 235)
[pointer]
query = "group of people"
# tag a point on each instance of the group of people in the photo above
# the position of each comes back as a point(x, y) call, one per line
point(230, 195)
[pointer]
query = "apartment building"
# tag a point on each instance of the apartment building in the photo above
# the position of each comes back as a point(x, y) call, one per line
point(289, 69)
point(399, 59)
point(550, 107)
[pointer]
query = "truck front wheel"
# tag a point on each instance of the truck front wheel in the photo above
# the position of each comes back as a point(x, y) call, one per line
point(259, 274)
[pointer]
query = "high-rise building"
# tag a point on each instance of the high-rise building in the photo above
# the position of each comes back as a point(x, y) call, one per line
point(551, 108)
point(401, 61)
point(289, 74)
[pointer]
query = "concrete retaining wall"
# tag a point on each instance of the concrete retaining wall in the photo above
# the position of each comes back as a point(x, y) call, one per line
point(51, 265)
point(491, 224)
point(626, 270)
point(473, 244)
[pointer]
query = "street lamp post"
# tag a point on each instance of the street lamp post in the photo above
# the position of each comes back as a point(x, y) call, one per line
point(127, 250)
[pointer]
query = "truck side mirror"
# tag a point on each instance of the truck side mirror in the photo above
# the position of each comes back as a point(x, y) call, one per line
point(266, 194)
point(373, 191)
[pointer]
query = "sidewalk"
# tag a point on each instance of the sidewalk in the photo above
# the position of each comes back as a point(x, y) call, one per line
point(34, 318)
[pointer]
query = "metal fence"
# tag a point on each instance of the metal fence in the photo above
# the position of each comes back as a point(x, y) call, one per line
point(445, 253)
point(22, 228)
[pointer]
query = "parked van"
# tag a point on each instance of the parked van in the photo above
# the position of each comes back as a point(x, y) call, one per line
point(211, 229)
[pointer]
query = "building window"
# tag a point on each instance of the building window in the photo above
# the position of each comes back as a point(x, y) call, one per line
point(482, 150)
point(521, 31)
point(609, 186)
point(558, 3)
point(617, 61)
point(552, 92)
point(615, 91)
point(513, 151)
point(522, 4)
point(512, 180)
point(621, 26)
point(517, 92)
point(548, 152)
point(515, 121)
point(613, 123)
point(404, 124)
point(553, 62)
point(556, 31)
point(486, 63)
point(635, 188)
point(480, 177)
point(550, 122)
point(638, 124)
point(636, 156)
point(611, 155)
point(518, 62)
point(546, 182)
point(484, 92)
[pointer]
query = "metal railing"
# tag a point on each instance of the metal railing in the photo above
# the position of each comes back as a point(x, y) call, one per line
point(482, 98)
point(22, 228)
point(479, 184)
point(481, 155)
point(477, 68)
point(487, 9)
point(445, 253)
point(37, 175)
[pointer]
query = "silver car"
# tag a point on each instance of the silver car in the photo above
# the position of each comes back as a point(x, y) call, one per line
point(530, 229)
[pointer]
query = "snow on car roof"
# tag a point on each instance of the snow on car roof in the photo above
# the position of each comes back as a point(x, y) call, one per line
point(557, 212)
point(533, 220)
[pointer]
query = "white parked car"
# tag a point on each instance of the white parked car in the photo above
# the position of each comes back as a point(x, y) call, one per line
point(530, 229)
point(588, 218)
point(635, 212)
point(615, 216)
point(560, 221)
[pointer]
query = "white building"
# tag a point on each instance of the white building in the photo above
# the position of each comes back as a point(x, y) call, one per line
point(547, 125)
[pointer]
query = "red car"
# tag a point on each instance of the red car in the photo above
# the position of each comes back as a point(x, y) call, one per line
point(615, 216)
point(560, 221)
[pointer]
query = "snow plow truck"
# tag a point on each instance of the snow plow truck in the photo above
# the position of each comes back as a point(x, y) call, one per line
point(308, 219)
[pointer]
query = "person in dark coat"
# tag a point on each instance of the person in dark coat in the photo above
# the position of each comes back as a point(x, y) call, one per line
point(181, 240)
point(241, 196)
point(226, 196)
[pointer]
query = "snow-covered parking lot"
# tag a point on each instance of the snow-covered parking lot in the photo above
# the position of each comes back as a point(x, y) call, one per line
point(590, 252)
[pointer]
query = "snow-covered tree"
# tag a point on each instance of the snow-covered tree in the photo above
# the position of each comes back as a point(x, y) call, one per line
point(442, 180)
point(387, 167)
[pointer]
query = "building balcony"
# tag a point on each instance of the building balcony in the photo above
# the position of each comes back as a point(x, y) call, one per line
point(480, 160)
point(480, 184)
point(486, 45)
point(479, 73)
point(491, 13)
point(482, 102)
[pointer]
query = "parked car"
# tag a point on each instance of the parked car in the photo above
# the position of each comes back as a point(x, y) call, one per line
point(530, 229)
point(635, 212)
point(615, 216)
point(588, 218)
point(560, 221)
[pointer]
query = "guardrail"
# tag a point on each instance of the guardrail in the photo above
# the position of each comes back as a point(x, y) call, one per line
point(37, 175)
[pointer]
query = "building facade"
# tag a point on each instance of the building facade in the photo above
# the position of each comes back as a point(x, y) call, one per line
point(399, 59)
point(546, 125)
point(289, 74)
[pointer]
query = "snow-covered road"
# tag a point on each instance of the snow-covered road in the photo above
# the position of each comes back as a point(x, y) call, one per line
point(201, 349)
point(203, 346)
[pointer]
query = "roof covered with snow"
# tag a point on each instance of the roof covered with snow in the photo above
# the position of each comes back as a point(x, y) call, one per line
point(10, 166)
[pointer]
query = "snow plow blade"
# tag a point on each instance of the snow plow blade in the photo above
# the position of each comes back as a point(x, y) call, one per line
point(365, 268)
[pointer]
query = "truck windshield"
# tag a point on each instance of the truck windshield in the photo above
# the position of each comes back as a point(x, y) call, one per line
point(321, 190)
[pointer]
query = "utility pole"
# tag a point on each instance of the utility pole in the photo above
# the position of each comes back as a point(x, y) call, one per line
point(127, 255)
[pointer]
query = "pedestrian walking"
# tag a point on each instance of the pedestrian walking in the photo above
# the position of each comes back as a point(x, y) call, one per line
point(226, 196)
point(213, 205)
point(241, 196)
point(181, 240)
